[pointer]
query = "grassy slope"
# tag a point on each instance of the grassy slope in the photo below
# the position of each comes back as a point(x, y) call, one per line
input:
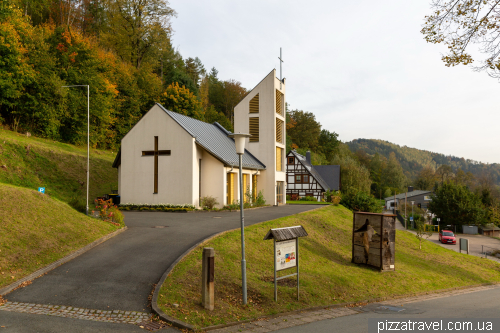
point(36, 230)
point(327, 274)
point(60, 168)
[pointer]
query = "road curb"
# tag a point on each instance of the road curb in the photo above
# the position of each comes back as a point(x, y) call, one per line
point(48, 268)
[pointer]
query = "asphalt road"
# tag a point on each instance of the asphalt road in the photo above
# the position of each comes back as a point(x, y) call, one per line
point(482, 304)
point(120, 273)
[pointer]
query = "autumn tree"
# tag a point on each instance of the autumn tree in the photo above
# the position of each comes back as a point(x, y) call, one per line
point(459, 24)
point(444, 173)
point(181, 100)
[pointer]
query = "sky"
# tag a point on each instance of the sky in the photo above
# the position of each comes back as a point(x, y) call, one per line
point(362, 67)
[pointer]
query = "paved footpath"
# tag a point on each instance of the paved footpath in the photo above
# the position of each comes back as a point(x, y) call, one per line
point(118, 275)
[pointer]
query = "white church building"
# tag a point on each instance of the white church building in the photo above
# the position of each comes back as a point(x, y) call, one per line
point(169, 158)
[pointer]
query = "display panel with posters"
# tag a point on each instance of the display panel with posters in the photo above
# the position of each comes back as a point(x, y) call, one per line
point(286, 254)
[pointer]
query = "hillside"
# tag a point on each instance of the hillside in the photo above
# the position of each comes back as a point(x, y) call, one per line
point(413, 160)
point(36, 230)
point(61, 168)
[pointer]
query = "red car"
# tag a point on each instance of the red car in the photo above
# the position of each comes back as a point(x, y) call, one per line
point(447, 237)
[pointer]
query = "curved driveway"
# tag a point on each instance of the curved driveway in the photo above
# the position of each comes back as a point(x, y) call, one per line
point(119, 274)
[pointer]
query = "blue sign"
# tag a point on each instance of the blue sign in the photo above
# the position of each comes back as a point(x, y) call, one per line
point(41, 189)
point(411, 218)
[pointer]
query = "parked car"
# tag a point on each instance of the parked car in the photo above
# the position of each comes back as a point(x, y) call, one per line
point(447, 237)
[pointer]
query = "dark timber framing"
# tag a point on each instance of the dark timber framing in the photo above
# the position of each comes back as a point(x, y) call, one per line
point(300, 181)
point(156, 153)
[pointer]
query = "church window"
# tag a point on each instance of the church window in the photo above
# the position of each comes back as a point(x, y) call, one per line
point(254, 129)
point(230, 188)
point(291, 160)
point(254, 104)
point(279, 102)
point(245, 180)
point(279, 130)
point(279, 159)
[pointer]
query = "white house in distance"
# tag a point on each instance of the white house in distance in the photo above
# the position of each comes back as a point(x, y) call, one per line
point(169, 158)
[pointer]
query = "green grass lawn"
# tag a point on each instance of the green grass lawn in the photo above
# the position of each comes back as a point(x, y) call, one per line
point(300, 202)
point(36, 230)
point(60, 168)
point(327, 275)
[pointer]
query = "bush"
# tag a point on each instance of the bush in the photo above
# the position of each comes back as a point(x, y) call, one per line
point(360, 201)
point(288, 197)
point(306, 198)
point(260, 201)
point(333, 196)
point(209, 202)
point(109, 212)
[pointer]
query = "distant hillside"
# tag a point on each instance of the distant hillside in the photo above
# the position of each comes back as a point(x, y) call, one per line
point(61, 168)
point(413, 160)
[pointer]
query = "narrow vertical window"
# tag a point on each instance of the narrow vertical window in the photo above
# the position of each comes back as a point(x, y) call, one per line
point(279, 102)
point(254, 129)
point(279, 130)
point(254, 104)
point(254, 187)
point(279, 159)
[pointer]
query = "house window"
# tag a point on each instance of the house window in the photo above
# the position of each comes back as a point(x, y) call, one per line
point(254, 129)
point(291, 160)
point(254, 104)
point(304, 179)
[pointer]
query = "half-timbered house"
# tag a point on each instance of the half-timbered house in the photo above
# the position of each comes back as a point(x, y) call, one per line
point(305, 179)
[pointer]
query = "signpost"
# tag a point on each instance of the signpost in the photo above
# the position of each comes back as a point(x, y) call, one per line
point(286, 252)
point(41, 189)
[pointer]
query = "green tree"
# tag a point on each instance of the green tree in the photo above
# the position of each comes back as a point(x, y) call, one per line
point(181, 100)
point(426, 179)
point(354, 176)
point(138, 29)
point(328, 143)
point(457, 204)
point(211, 116)
point(393, 175)
point(306, 130)
point(459, 24)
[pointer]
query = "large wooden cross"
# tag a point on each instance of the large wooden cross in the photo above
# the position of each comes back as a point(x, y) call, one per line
point(156, 153)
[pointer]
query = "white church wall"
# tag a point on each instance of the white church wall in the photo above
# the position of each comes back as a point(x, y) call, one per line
point(265, 149)
point(213, 177)
point(175, 181)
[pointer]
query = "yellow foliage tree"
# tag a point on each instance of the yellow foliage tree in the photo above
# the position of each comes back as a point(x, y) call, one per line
point(181, 100)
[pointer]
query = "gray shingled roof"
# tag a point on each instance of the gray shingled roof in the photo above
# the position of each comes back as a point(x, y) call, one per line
point(330, 174)
point(214, 139)
point(413, 193)
point(281, 234)
point(312, 171)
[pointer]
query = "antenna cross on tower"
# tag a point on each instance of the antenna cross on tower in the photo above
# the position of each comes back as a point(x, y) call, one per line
point(281, 61)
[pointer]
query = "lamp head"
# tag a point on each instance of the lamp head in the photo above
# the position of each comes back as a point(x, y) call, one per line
point(239, 141)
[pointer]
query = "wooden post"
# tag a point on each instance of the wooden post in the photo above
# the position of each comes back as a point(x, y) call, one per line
point(207, 278)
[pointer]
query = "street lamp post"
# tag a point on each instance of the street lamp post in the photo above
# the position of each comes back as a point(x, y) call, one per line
point(88, 136)
point(239, 141)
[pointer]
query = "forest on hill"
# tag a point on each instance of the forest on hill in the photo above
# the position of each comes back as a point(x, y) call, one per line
point(122, 49)
point(415, 161)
